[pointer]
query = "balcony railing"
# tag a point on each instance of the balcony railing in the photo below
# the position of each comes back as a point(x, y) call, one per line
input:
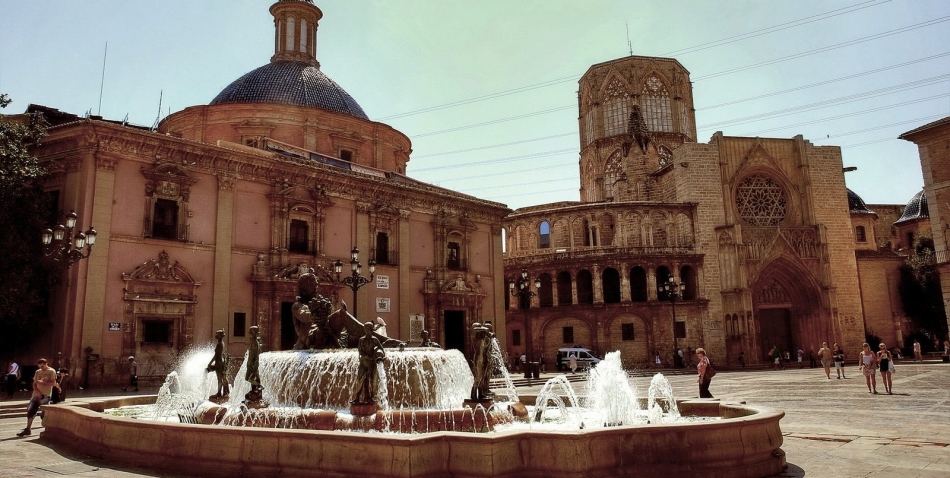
point(385, 257)
point(308, 247)
point(592, 251)
point(154, 230)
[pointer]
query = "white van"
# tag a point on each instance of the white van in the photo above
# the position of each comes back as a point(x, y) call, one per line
point(585, 358)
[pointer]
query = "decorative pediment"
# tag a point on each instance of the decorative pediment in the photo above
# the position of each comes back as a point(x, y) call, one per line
point(161, 270)
point(461, 285)
point(160, 287)
point(757, 157)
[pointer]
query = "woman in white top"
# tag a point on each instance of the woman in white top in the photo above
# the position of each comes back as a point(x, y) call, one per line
point(869, 367)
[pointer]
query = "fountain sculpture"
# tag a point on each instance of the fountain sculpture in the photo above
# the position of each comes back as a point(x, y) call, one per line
point(345, 387)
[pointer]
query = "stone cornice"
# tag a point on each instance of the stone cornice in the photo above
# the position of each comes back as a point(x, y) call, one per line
point(200, 158)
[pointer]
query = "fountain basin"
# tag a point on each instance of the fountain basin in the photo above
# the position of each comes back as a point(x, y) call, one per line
point(745, 443)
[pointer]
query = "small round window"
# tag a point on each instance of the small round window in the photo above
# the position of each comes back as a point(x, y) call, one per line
point(760, 201)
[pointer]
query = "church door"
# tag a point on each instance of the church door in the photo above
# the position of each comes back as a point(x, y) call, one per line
point(776, 328)
point(454, 329)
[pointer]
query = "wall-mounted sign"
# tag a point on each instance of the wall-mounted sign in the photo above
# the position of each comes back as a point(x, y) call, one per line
point(382, 304)
point(382, 282)
point(115, 326)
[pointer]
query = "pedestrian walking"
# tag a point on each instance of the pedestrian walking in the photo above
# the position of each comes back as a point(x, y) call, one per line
point(133, 374)
point(886, 360)
point(742, 358)
point(917, 356)
point(825, 355)
point(839, 361)
point(572, 362)
point(811, 359)
point(705, 371)
point(869, 367)
point(43, 382)
point(12, 377)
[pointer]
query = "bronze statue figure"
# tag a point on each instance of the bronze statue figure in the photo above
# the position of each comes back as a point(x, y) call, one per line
point(367, 377)
point(219, 364)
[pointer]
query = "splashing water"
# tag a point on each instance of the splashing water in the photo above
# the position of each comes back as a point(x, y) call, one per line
point(610, 394)
point(549, 394)
point(498, 366)
point(660, 401)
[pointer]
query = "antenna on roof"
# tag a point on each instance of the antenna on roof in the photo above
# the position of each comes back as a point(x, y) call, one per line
point(125, 120)
point(629, 45)
point(103, 81)
point(159, 117)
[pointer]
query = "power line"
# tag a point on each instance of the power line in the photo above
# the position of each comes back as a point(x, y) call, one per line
point(824, 49)
point(821, 83)
point(830, 102)
point(703, 46)
point(848, 115)
point(500, 160)
point(496, 121)
point(497, 145)
point(776, 28)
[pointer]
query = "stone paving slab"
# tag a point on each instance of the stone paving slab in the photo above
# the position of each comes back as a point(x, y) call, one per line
point(832, 428)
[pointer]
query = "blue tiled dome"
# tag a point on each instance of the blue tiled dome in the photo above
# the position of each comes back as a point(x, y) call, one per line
point(916, 208)
point(290, 83)
point(856, 204)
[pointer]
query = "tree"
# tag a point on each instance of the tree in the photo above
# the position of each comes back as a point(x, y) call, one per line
point(25, 279)
point(920, 293)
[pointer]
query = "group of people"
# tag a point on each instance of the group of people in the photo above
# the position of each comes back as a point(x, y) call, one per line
point(870, 362)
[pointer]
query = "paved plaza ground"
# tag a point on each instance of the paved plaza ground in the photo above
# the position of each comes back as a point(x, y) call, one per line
point(832, 428)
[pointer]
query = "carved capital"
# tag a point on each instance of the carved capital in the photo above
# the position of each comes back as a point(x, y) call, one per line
point(103, 164)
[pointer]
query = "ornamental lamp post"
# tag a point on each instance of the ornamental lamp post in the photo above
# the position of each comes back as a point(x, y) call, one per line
point(354, 281)
point(672, 291)
point(60, 245)
point(522, 290)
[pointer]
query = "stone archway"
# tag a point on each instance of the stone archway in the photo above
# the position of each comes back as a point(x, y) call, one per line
point(787, 306)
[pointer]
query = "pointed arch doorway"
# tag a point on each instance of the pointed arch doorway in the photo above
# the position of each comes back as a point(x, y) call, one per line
point(786, 303)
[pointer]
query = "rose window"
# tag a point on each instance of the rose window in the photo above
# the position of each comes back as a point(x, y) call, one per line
point(761, 202)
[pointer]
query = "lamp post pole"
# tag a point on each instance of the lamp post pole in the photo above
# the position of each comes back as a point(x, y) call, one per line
point(673, 291)
point(522, 290)
point(354, 281)
point(64, 248)
point(61, 246)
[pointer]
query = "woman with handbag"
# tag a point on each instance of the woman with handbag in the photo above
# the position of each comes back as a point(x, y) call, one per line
point(706, 373)
point(887, 366)
point(869, 367)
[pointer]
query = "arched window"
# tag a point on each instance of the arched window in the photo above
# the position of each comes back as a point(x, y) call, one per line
point(544, 235)
point(588, 119)
point(859, 234)
point(688, 277)
point(662, 275)
point(616, 108)
point(656, 105)
point(612, 172)
point(564, 294)
point(546, 292)
point(638, 284)
point(585, 287)
point(610, 280)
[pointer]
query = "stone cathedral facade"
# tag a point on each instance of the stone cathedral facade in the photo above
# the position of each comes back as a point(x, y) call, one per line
point(758, 231)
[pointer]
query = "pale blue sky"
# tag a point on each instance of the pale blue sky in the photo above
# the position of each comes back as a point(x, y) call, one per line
point(416, 64)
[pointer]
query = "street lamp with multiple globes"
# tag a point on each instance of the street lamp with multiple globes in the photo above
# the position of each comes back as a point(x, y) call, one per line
point(354, 281)
point(522, 290)
point(672, 291)
point(61, 246)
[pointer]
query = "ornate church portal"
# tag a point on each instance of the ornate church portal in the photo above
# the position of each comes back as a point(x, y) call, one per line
point(787, 306)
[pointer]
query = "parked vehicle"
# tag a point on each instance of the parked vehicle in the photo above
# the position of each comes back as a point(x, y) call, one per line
point(585, 358)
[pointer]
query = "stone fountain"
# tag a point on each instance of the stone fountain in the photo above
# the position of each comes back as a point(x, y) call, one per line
point(365, 404)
